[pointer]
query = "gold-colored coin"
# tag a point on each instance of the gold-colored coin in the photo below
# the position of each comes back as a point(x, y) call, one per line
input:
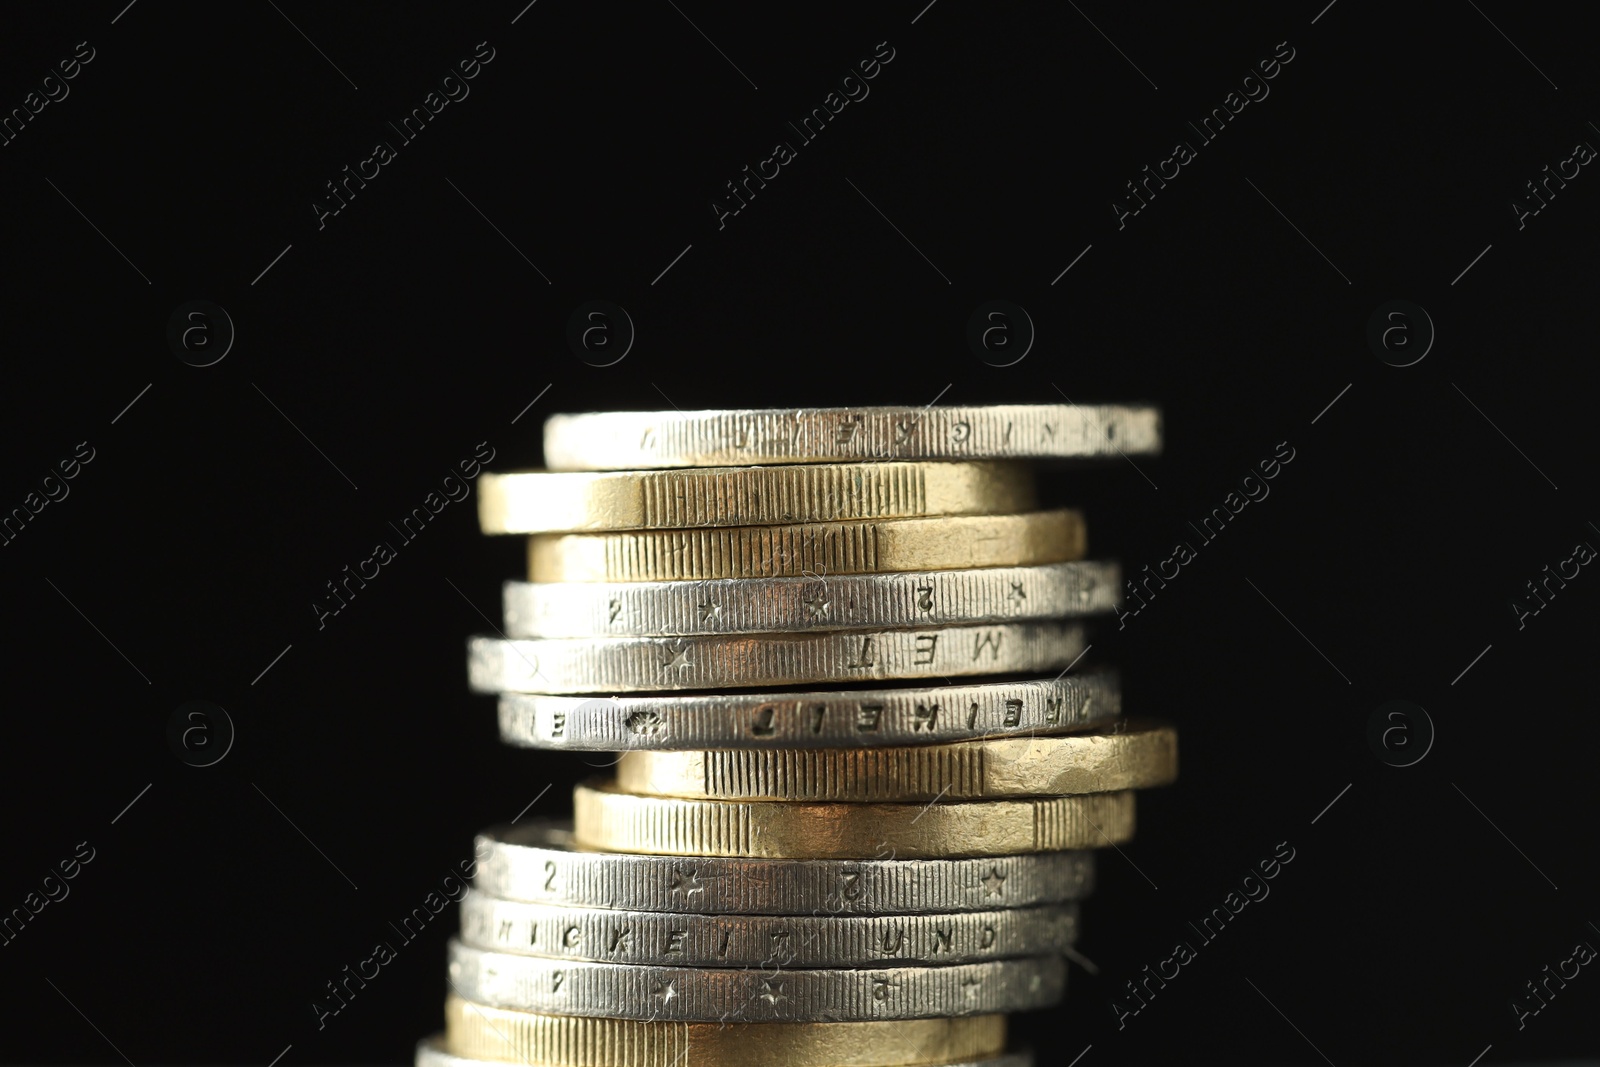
point(605, 818)
point(1134, 754)
point(810, 549)
point(482, 1032)
point(546, 501)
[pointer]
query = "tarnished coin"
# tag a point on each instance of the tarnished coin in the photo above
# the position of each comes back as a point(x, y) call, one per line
point(497, 1035)
point(549, 501)
point(610, 935)
point(908, 715)
point(656, 664)
point(1132, 754)
point(537, 862)
point(605, 817)
point(810, 549)
point(626, 991)
point(636, 440)
point(817, 602)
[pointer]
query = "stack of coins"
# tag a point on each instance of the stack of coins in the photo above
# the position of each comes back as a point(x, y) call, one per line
point(859, 769)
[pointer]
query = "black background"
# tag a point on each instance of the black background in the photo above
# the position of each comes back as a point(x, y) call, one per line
point(410, 328)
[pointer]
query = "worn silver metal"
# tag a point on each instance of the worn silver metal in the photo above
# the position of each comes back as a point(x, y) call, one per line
point(538, 863)
point(627, 991)
point(608, 935)
point(788, 941)
point(637, 440)
point(671, 1049)
point(812, 603)
point(909, 715)
point(654, 664)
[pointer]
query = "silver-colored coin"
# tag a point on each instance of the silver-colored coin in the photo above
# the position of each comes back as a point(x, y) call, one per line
point(639, 440)
point(432, 1052)
point(608, 935)
point(911, 715)
point(537, 863)
point(686, 994)
point(654, 664)
point(838, 602)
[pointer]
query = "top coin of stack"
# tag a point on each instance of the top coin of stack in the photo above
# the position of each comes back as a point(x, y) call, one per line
point(835, 649)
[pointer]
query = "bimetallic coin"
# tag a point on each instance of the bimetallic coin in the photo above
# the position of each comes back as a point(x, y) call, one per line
point(604, 817)
point(546, 501)
point(910, 715)
point(656, 664)
point(1133, 754)
point(538, 862)
point(820, 548)
point(608, 935)
point(499, 1035)
point(835, 602)
point(626, 991)
point(636, 440)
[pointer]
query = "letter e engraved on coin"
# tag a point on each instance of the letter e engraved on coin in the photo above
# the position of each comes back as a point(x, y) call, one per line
point(674, 945)
point(867, 718)
point(558, 724)
point(926, 643)
point(1013, 712)
point(845, 432)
